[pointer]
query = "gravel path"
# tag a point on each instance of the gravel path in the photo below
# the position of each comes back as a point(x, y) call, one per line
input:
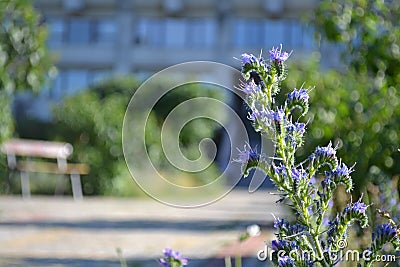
point(49, 231)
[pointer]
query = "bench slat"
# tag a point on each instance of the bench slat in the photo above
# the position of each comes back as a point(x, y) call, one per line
point(36, 148)
point(49, 167)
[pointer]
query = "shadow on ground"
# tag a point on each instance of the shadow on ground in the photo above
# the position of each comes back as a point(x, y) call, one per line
point(53, 262)
point(198, 225)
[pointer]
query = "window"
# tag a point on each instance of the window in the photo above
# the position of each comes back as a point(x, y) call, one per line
point(275, 32)
point(201, 33)
point(71, 81)
point(78, 30)
point(105, 31)
point(76, 81)
point(247, 32)
point(268, 33)
point(150, 31)
point(57, 31)
point(176, 32)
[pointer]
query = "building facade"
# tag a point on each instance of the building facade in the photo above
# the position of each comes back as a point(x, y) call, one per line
point(92, 39)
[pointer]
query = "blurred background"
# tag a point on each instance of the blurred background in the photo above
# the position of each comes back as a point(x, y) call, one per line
point(68, 69)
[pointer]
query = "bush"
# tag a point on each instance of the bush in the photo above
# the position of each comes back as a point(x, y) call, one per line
point(92, 122)
point(356, 111)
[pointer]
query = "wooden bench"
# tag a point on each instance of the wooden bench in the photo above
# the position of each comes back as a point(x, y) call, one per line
point(20, 153)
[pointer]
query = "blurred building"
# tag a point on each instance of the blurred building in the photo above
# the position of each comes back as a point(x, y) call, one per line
point(95, 38)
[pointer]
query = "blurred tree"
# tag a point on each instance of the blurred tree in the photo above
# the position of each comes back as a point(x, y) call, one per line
point(357, 113)
point(92, 121)
point(357, 105)
point(369, 31)
point(24, 61)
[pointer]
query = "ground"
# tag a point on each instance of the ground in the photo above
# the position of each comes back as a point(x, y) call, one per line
point(50, 231)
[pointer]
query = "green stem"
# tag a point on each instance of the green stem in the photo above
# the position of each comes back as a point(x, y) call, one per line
point(238, 260)
point(319, 250)
point(228, 262)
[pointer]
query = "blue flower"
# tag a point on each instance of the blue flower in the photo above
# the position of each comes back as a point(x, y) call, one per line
point(356, 211)
point(359, 207)
point(248, 59)
point(340, 175)
point(280, 170)
point(285, 228)
point(279, 245)
point(247, 155)
point(285, 261)
point(332, 231)
point(326, 151)
point(298, 174)
point(276, 115)
point(281, 224)
point(298, 98)
point(297, 127)
point(249, 159)
point(324, 155)
point(385, 233)
point(277, 55)
point(250, 88)
point(298, 95)
point(172, 259)
point(343, 170)
point(258, 115)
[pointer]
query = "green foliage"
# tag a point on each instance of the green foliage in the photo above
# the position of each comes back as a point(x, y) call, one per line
point(24, 61)
point(355, 111)
point(6, 119)
point(358, 105)
point(369, 31)
point(92, 122)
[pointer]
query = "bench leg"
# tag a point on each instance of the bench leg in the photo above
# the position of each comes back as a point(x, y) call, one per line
point(26, 192)
point(76, 186)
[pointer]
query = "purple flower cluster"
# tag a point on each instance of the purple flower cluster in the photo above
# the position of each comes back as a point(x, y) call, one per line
point(385, 233)
point(340, 175)
point(352, 212)
point(285, 261)
point(283, 245)
point(298, 174)
point(294, 135)
point(277, 55)
point(342, 170)
point(325, 151)
point(356, 211)
point(357, 207)
point(285, 228)
point(298, 95)
point(277, 115)
point(248, 155)
point(297, 182)
point(280, 170)
point(297, 128)
point(248, 59)
point(324, 155)
point(251, 88)
point(172, 259)
point(266, 117)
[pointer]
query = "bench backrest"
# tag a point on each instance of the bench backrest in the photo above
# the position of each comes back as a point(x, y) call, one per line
point(35, 148)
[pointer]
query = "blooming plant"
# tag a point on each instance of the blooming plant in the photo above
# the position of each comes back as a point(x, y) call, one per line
point(172, 259)
point(318, 235)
